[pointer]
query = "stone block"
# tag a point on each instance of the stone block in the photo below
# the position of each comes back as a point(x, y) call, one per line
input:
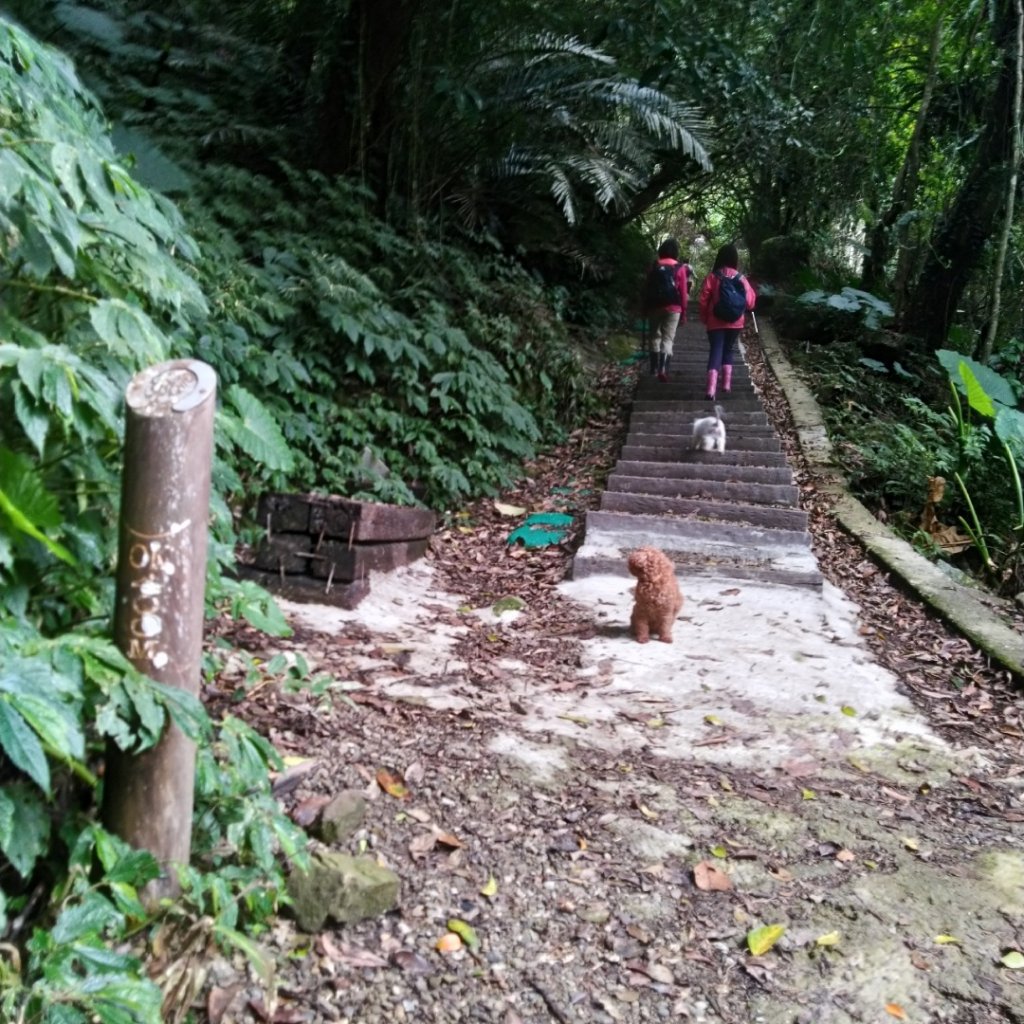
point(341, 888)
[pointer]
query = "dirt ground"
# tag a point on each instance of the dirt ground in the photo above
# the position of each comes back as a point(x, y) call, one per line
point(806, 809)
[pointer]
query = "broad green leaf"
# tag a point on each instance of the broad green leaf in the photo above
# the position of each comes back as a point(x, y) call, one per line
point(256, 432)
point(257, 956)
point(760, 940)
point(90, 917)
point(980, 383)
point(53, 722)
point(27, 504)
point(64, 160)
point(29, 840)
point(977, 397)
point(1009, 426)
point(185, 709)
point(32, 420)
point(22, 745)
point(6, 818)
point(147, 706)
point(128, 332)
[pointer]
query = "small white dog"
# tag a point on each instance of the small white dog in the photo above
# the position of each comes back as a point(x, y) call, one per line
point(709, 432)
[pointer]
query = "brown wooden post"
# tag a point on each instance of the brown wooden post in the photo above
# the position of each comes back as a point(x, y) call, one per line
point(161, 575)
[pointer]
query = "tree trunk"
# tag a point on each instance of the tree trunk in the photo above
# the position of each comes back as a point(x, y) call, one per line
point(1011, 193)
point(356, 120)
point(905, 187)
point(960, 238)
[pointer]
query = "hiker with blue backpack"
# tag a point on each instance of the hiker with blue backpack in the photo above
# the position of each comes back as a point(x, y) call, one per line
point(725, 298)
point(665, 298)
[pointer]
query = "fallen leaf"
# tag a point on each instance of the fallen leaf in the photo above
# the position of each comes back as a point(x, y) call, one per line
point(411, 962)
point(447, 839)
point(344, 953)
point(491, 888)
point(712, 720)
point(1013, 959)
point(306, 812)
point(218, 1000)
point(845, 856)
point(419, 814)
point(710, 878)
point(647, 812)
point(829, 939)
point(719, 851)
point(946, 940)
point(760, 940)
point(660, 973)
point(421, 845)
point(910, 843)
point(895, 1010)
point(392, 784)
point(781, 874)
point(577, 719)
point(808, 794)
point(464, 932)
point(509, 510)
point(448, 943)
point(848, 711)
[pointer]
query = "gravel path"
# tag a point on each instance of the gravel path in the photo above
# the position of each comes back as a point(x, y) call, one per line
point(780, 865)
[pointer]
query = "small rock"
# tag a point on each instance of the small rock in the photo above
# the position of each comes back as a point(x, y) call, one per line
point(342, 816)
point(342, 888)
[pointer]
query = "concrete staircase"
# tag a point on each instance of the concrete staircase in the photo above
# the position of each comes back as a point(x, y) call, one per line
point(735, 514)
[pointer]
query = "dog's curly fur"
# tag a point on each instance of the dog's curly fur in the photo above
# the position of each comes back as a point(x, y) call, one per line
point(658, 600)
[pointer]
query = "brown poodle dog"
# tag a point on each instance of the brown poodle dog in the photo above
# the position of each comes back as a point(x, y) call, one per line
point(658, 600)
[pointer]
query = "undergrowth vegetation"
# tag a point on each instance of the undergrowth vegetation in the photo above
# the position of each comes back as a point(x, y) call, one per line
point(933, 442)
point(350, 359)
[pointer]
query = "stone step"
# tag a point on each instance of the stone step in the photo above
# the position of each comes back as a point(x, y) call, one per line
point(647, 453)
point(674, 430)
point(697, 547)
point(740, 441)
point(744, 419)
point(691, 391)
point(768, 517)
point(708, 490)
point(697, 404)
point(707, 471)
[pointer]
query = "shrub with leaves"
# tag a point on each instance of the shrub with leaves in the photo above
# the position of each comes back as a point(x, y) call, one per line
point(94, 284)
point(449, 367)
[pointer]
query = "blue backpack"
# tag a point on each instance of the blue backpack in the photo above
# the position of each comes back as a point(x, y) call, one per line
point(662, 289)
point(732, 298)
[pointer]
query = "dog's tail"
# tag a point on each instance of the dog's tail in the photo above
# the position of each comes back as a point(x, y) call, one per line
point(719, 413)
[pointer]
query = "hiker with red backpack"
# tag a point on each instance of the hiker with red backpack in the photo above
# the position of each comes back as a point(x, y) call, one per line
point(725, 298)
point(665, 298)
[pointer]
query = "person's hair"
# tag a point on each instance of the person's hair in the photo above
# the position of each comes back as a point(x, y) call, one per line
point(668, 250)
point(727, 257)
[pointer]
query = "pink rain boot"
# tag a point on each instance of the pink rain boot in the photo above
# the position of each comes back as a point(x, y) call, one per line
point(727, 379)
point(712, 384)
